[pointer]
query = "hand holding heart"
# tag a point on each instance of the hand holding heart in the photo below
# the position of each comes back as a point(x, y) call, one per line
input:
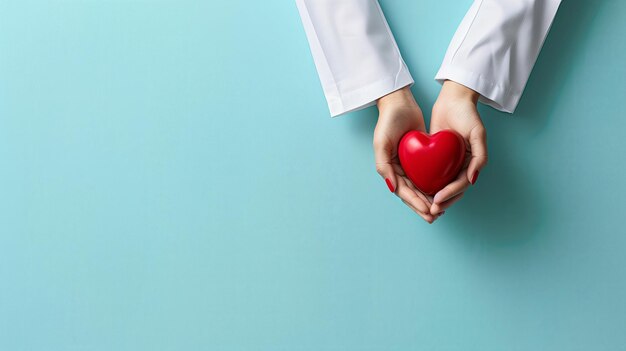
point(420, 165)
point(399, 113)
point(455, 109)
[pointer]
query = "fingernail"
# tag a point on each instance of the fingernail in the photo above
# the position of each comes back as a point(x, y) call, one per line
point(437, 198)
point(475, 177)
point(389, 185)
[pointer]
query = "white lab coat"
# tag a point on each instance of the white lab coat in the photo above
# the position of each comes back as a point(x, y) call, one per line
point(492, 52)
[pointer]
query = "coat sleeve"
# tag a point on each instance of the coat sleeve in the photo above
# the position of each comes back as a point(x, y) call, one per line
point(355, 54)
point(495, 48)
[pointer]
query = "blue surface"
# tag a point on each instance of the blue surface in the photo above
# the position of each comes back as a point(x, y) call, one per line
point(171, 180)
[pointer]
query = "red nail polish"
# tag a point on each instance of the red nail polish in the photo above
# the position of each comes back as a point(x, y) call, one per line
point(391, 188)
point(475, 177)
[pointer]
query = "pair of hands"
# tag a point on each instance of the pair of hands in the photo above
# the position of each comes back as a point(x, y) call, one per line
point(454, 109)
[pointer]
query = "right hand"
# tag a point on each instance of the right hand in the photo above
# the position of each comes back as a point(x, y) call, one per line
point(455, 109)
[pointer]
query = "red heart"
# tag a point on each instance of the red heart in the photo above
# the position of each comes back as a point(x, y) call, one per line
point(431, 161)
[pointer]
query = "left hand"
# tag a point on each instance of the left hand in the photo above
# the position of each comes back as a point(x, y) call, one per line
point(398, 114)
point(455, 109)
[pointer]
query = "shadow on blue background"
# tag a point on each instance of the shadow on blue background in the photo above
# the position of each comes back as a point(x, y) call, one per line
point(505, 207)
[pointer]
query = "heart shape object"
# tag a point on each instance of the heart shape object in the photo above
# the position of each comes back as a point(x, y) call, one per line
point(431, 161)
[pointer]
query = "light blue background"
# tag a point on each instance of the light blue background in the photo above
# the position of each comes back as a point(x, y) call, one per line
point(171, 180)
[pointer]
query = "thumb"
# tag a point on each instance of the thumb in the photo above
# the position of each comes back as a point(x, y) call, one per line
point(383, 155)
point(478, 148)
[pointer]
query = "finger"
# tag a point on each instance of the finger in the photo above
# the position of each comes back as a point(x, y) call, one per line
point(459, 185)
point(406, 194)
point(382, 156)
point(478, 146)
point(426, 198)
point(438, 209)
point(401, 177)
point(425, 216)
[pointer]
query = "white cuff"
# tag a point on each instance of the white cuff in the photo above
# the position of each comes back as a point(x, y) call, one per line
point(355, 54)
point(495, 48)
point(367, 96)
point(491, 93)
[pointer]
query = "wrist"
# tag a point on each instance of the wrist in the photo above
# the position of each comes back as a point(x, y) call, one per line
point(456, 91)
point(400, 97)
